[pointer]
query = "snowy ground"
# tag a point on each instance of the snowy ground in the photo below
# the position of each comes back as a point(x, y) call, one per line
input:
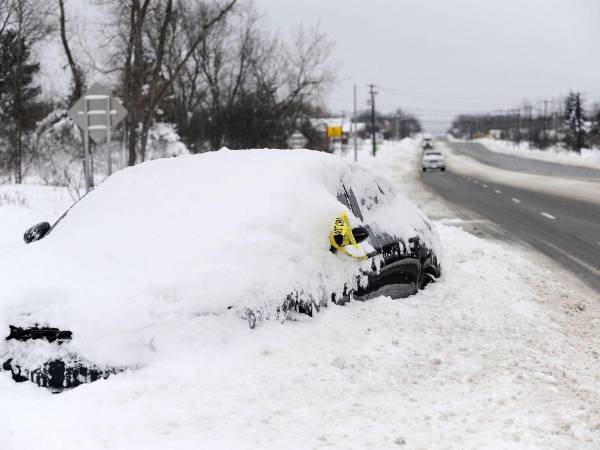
point(587, 158)
point(500, 353)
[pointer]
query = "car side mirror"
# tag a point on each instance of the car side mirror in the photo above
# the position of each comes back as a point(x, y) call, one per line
point(360, 234)
point(36, 232)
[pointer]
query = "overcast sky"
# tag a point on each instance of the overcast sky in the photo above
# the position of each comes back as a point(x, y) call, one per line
point(440, 57)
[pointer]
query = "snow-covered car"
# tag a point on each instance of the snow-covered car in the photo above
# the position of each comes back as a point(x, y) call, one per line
point(433, 160)
point(147, 257)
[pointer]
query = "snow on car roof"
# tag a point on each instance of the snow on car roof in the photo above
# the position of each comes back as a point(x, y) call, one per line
point(191, 236)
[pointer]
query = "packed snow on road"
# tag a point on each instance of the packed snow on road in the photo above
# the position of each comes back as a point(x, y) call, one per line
point(502, 351)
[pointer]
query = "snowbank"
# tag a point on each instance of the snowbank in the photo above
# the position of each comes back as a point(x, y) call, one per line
point(587, 158)
point(489, 357)
point(502, 352)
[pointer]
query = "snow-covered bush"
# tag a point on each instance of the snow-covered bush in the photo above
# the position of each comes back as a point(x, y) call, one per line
point(58, 158)
point(164, 142)
point(15, 198)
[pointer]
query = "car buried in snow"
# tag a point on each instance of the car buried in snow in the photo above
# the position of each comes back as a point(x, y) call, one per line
point(144, 259)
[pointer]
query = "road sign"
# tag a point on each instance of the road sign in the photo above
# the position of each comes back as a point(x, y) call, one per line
point(97, 112)
point(334, 132)
point(297, 140)
point(91, 112)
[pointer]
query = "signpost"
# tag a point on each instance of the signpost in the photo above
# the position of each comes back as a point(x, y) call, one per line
point(97, 112)
point(334, 134)
point(297, 140)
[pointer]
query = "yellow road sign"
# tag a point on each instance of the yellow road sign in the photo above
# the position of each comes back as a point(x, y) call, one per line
point(334, 132)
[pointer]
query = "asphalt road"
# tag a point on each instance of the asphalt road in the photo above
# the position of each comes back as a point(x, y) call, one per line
point(482, 154)
point(566, 230)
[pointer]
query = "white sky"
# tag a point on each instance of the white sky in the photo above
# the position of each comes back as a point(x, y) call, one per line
point(440, 57)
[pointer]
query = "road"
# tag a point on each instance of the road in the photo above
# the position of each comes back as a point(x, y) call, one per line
point(564, 229)
point(482, 154)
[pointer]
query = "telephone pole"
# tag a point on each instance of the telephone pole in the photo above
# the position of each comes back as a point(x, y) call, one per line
point(528, 111)
point(518, 126)
point(354, 128)
point(373, 93)
point(545, 122)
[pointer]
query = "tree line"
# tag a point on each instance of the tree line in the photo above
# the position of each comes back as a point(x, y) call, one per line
point(568, 124)
point(212, 69)
point(396, 125)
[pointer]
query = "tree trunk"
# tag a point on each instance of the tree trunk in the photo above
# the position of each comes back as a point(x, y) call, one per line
point(18, 157)
point(144, 139)
point(131, 141)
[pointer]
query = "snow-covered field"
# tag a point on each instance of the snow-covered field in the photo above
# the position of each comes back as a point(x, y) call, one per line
point(502, 352)
point(587, 158)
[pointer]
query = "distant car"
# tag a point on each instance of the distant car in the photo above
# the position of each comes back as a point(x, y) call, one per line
point(427, 142)
point(160, 249)
point(433, 160)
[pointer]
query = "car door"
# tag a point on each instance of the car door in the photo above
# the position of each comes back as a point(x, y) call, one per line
point(395, 272)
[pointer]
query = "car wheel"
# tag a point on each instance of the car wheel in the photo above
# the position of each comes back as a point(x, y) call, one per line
point(424, 169)
point(443, 169)
point(425, 278)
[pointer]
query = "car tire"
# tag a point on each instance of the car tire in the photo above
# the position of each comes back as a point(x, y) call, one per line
point(424, 169)
point(425, 278)
point(443, 169)
point(428, 274)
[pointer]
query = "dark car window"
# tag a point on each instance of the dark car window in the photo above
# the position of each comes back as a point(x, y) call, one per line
point(364, 203)
point(346, 197)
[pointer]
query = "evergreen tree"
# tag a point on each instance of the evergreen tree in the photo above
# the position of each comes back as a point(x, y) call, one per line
point(594, 134)
point(19, 108)
point(574, 121)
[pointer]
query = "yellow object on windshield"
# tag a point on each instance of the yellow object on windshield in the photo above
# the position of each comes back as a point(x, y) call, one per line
point(342, 236)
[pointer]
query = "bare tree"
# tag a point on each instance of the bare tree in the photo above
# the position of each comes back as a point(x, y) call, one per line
point(7, 16)
point(145, 79)
point(76, 70)
point(244, 87)
point(224, 62)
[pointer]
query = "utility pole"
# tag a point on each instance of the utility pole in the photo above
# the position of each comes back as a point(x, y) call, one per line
point(354, 128)
point(342, 118)
point(518, 126)
point(528, 109)
point(373, 93)
point(555, 114)
point(545, 122)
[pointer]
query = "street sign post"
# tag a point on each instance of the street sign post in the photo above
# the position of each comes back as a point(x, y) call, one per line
point(297, 140)
point(97, 112)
